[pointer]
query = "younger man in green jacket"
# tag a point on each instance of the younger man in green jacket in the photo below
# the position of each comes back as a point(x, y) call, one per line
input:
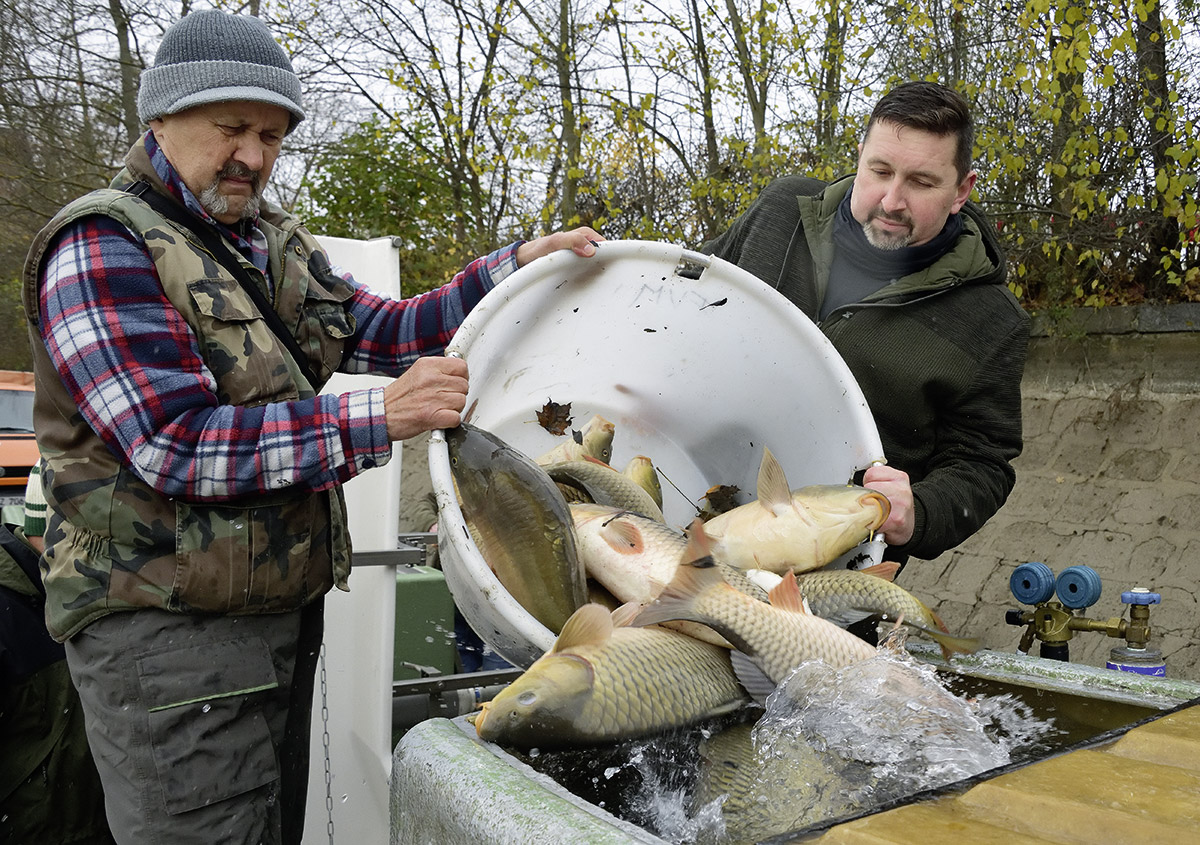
point(906, 278)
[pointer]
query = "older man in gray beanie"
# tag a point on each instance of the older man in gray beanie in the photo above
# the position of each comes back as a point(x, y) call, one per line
point(182, 329)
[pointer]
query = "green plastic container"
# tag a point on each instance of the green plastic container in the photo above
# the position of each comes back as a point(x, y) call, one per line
point(424, 624)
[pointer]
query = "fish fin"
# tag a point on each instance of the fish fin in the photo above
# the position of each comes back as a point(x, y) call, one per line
point(773, 487)
point(622, 536)
point(592, 624)
point(699, 544)
point(950, 644)
point(675, 600)
point(786, 595)
point(886, 570)
point(753, 679)
point(625, 614)
point(696, 572)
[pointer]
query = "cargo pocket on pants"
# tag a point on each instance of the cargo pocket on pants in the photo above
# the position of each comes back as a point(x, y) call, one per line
point(210, 737)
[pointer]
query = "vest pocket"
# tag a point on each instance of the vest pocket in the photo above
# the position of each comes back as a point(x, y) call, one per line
point(243, 354)
point(328, 322)
point(203, 707)
point(269, 558)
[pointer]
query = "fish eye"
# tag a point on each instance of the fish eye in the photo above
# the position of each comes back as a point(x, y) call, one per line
point(527, 698)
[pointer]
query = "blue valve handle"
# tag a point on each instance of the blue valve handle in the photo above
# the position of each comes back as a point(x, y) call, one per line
point(1140, 597)
point(1032, 583)
point(1078, 587)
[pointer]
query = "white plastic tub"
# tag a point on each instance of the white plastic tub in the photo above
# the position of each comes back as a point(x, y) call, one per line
point(699, 375)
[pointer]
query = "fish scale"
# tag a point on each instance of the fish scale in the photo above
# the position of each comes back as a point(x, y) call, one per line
point(628, 683)
point(776, 639)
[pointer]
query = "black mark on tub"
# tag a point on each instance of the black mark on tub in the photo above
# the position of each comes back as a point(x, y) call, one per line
point(717, 304)
point(650, 331)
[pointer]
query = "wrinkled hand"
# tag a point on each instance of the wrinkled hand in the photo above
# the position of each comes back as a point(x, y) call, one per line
point(431, 394)
point(897, 529)
point(581, 241)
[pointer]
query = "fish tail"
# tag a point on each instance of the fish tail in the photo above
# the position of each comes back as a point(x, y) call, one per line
point(937, 620)
point(952, 645)
point(949, 643)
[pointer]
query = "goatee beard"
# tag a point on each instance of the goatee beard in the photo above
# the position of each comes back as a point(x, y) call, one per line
point(217, 204)
point(882, 241)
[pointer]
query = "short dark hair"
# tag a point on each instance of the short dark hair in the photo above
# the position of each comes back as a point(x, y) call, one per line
point(933, 108)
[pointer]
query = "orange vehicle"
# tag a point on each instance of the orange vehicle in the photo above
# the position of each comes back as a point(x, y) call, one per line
point(18, 449)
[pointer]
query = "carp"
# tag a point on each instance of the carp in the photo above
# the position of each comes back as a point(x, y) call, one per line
point(776, 636)
point(764, 792)
point(604, 681)
point(594, 440)
point(640, 470)
point(795, 530)
point(602, 484)
point(520, 523)
point(633, 557)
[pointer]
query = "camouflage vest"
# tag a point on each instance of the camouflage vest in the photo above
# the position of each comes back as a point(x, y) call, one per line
point(114, 543)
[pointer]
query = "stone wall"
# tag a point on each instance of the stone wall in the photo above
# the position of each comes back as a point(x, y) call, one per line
point(1110, 477)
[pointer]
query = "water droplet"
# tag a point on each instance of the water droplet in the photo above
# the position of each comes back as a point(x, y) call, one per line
point(206, 708)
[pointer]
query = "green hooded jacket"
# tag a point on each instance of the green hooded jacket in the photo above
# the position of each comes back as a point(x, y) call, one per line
point(939, 354)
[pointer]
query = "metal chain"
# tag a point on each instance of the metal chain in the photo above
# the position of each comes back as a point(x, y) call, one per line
point(325, 742)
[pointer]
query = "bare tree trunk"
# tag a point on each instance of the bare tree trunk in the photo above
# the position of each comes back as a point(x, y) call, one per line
point(830, 92)
point(753, 71)
point(1162, 236)
point(129, 71)
point(570, 140)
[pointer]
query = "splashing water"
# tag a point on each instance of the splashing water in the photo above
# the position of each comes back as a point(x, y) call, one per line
point(896, 724)
point(834, 743)
point(831, 743)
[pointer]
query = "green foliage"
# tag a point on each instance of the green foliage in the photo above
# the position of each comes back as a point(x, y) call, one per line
point(371, 185)
point(498, 119)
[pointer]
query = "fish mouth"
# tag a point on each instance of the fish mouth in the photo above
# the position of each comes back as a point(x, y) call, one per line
point(880, 503)
point(479, 720)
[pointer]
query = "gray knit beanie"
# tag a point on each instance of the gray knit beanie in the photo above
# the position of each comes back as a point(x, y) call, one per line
point(213, 57)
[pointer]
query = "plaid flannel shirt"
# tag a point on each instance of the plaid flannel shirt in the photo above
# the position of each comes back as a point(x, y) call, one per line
point(134, 368)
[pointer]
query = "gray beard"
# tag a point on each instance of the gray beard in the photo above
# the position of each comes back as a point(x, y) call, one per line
point(882, 242)
point(217, 204)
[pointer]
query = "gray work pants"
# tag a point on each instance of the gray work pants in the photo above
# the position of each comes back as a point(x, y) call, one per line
point(199, 725)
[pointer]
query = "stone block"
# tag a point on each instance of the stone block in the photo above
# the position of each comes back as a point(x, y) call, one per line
point(1151, 559)
point(1081, 458)
point(1036, 415)
point(1132, 419)
point(1186, 468)
point(1037, 451)
point(1181, 414)
point(1136, 464)
point(1081, 419)
point(1142, 506)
